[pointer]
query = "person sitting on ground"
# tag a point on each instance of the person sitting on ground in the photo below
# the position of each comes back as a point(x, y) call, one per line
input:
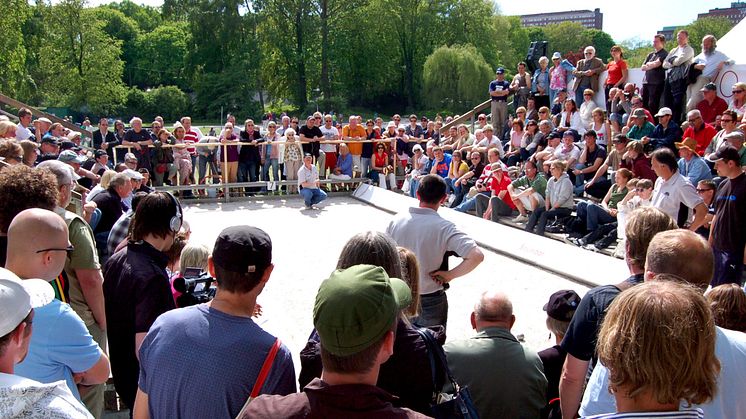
point(691, 165)
point(640, 192)
point(558, 200)
point(600, 183)
point(308, 183)
point(664, 259)
point(513, 155)
point(568, 153)
point(665, 133)
point(630, 344)
point(601, 126)
point(591, 158)
point(560, 308)
point(546, 153)
point(482, 185)
point(587, 107)
point(599, 219)
point(368, 302)
point(580, 339)
point(570, 120)
point(529, 141)
point(463, 184)
point(499, 203)
point(493, 359)
point(343, 168)
point(23, 397)
point(728, 305)
point(381, 168)
point(489, 142)
point(242, 266)
point(419, 161)
point(641, 126)
point(407, 373)
point(528, 191)
point(456, 169)
point(711, 104)
point(635, 160)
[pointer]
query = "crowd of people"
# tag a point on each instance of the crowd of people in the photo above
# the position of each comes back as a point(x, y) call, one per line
point(109, 295)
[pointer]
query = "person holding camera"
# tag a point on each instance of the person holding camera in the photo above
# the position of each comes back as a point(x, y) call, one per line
point(203, 361)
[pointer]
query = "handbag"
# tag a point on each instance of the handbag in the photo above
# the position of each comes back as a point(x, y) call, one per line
point(453, 404)
point(263, 373)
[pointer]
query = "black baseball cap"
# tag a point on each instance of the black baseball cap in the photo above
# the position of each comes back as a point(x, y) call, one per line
point(555, 134)
point(99, 153)
point(562, 305)
point(68, 145)
point(243, 249)
point(726, 152)
point(51, 140)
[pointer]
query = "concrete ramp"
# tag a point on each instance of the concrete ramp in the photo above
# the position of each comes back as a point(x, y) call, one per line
point(574, 263)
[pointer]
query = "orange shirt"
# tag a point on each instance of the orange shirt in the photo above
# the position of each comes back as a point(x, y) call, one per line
point(356, 149)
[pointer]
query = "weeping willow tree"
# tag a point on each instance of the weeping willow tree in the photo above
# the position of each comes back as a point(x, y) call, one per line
point(456, 78)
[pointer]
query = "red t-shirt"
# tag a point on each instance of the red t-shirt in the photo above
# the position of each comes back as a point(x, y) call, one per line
point(711, 111)
point(703, 137)
point(499, 185)
point(615, 71)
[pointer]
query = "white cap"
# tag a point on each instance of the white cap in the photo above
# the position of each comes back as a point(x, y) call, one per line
point(663, 111)
point(134, 174)
point(18, 297)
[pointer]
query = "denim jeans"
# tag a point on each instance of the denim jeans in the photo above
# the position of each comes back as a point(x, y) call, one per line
point(312, 196)
point(470, 203)
point(247, 173)
point(275, 164)
point(413, 187)
point(433, 310)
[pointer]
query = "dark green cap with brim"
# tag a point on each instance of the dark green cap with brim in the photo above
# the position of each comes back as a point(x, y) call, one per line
point(356, 306)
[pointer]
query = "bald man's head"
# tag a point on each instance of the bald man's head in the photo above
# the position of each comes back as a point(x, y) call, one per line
point(37, 244)
point(493, 309)
point(682, 253)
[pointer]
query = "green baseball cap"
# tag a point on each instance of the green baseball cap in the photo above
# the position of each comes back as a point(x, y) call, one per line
point(356, 306)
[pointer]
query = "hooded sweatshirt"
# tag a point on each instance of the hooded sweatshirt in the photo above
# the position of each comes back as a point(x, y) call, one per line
point(23, 398)
point(560, 191)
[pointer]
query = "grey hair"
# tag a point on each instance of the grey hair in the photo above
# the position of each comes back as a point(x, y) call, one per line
point(119, 179)
point(544, 60)
point(371, 248)
point(62, 172)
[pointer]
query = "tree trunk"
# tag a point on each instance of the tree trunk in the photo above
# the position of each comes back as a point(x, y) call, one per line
point(326, 88)
point(302, 86)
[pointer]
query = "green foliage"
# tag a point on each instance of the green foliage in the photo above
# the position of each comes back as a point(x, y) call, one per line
point(161, 56)
point(118, 26)
point(455, 77)
point(512, 41)
point(147, 17)
point(635, 51)
point(601, 41)
point(79, 64)
point(170, 102)
point(12, 49)
point(717, 26)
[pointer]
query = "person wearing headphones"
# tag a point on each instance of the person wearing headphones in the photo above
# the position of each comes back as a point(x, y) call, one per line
point(136, 286)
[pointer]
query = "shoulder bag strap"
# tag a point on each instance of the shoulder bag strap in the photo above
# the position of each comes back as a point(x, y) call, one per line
point(264, 372)
point(425, 334)
point(438, 356)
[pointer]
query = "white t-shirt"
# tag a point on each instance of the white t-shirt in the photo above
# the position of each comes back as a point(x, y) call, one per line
point(429, 236)
point(23, 133)
point(669, 195)
point(21, 397)
point(487, 142)
point(329, 134)
point(562, 154)
point(423, 162)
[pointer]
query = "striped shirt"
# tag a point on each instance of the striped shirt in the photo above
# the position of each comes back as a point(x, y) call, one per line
point(681, 414)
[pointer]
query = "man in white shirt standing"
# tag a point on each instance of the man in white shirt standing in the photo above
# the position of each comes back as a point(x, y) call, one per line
point(329, 161)
point(308, 182)
point(24, 122)
point(433, 239)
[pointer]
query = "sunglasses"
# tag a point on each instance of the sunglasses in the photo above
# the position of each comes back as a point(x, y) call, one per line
point(475, 158)
point(737, 91)
point(68, 249)
point(726, 120)
point(702, 190)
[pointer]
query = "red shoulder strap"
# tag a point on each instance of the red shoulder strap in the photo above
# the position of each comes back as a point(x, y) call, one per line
point(264, 372)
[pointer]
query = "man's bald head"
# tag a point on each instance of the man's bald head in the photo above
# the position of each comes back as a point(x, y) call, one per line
point(33, 230)
point(682, 253)
point(493, 309)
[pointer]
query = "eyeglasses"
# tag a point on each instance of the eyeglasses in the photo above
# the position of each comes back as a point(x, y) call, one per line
point(588, 53)
point(482, 119)
point(726, 120)
point(68, 249)
point(542, 111)
point(703, 190)
point(318, 117)
point(693, 119)
point(737, 91)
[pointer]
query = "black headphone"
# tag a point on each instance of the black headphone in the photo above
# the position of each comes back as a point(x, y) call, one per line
point(176, 220)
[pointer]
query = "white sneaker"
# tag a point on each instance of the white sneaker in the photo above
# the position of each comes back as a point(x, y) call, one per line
point(520, 219)
point(451, 198)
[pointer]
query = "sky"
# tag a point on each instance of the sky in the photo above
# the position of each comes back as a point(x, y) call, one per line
point(623, 19)
point(639, 18)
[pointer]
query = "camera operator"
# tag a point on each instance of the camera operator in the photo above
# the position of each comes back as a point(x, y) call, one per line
point(202, 361)
point(136, 286)
point(621, 105)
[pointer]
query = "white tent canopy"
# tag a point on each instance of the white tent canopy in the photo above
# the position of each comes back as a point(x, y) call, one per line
point(731, 44)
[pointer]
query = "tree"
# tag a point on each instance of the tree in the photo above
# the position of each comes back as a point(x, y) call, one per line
point(161, 56)
point(12, 49)
point(79, 62)
point(147, 17)
point(717, 26)
point(455, 77)
point(119, 26)
point(470, 22)
point(566, 37)
point(171, 102)
point(601, 41)
point(512, 41)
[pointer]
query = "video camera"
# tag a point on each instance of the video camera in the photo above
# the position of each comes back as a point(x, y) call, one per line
point(195, 287)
